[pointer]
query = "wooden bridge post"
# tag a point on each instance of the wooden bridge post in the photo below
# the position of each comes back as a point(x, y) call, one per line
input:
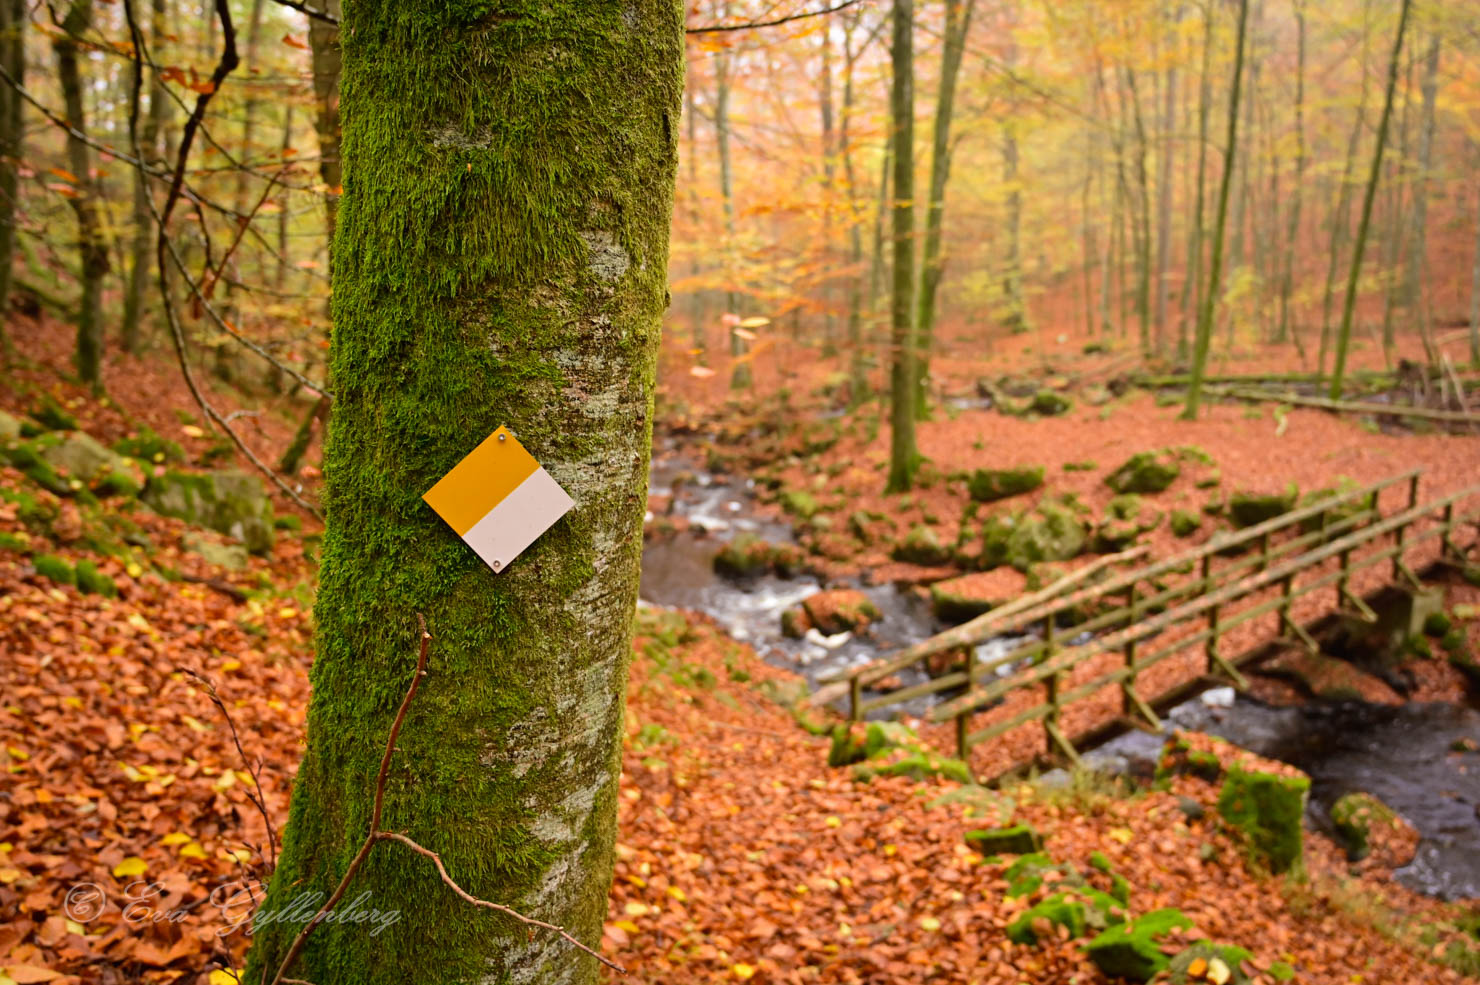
point(963, 720)
point(1211, 647)
point(1127, 705)
point(1051, 720)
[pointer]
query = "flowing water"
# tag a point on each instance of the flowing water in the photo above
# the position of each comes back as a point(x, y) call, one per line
point(1403, 755)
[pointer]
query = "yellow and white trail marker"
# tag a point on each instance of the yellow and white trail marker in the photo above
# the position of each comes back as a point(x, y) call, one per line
point(498, 499)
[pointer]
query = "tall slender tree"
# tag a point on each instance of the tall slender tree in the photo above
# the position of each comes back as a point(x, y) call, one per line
point(1215, 270)
point(92, 244)
point(1359, 245)
point(12, 138)
point(903, 454)
point(500, 259)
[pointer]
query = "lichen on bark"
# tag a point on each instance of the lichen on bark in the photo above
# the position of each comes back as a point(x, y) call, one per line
point(515, 276)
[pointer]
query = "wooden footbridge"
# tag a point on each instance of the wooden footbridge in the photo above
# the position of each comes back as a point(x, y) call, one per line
point(1157, 632)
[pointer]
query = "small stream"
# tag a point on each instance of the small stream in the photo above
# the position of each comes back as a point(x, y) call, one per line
point(1403, 755)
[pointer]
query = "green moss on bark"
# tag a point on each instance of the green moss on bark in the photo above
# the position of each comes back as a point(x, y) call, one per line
point(500, 258)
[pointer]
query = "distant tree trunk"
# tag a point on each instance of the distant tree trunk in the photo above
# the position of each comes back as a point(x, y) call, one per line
point(92, 246)
point(1292, 227)
point(1418, 216)
point(1164, 207)
point(282, 220)
point(1195, 239)
point(323, 42)
point(460, 129)
point(143, 219)
point(740, 375)
point(249, 105)
point(1341, 215)
point(1392, 226)
point(1142, 233)
point(1016, 317)
point(1343, 336)
point(829, 194)
point(903, 456)
point(1210, 299)
point(958, 24)
point(12, 140)
point(880, 258)
point(857, 373)
point(1086, 230)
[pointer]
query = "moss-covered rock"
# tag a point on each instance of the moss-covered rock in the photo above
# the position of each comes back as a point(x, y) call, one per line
point(10, 428)
point(92, 581)
point(922, 546)
point(799, 503)
point(1246, 509)
point(53, 567)
point(232, 557)
point(748, 556)
point(951, 603)
point(839, 610)
point(1185, 523)
point(1040, 921)
point(795, 623)
point(1050, 403)
point(847, 746)
point(989, 485)
point(1206, 961)
point(51, 415)
point(147, 445)
point(918, 764)
point(1133, 950)
point(1017, 839)
point(1144, 472)
point(1269, 809)
point(230, 502)
point(1052, 532)
point(1030, 872)
point(1354, 816)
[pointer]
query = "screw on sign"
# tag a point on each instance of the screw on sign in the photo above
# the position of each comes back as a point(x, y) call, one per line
point(498, 499)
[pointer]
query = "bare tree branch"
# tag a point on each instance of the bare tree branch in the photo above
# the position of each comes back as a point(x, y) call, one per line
point(752, 25)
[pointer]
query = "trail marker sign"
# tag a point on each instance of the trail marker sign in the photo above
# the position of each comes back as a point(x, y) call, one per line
point(498, 499)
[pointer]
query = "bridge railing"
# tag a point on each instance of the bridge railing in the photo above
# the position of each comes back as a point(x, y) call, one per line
point(1386, 540)
point(1149, 589)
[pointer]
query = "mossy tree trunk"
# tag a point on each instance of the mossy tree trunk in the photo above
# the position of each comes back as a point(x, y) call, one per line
point(932, 264)
point(143, 219)
point(1359, 245)
point(903, 456)
point(500, 258)
point(1204, 336)
point(92, 245)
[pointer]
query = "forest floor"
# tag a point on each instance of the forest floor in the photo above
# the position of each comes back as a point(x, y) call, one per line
point(741, 854)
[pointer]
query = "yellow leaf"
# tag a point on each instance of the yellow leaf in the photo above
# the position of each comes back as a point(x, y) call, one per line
point(73, 927)
point(1197, 967)
point(756, 322)
point(224, 782)
point(230, 666)
point(193, 850)
point(130, 867)
point(8, 876)
point(889, 850)
point(636, 909)
point(236, 854)
point(627, 925)
point(194, 723)
point(1218, 972)
point(930, 923)
point(191, 431)
point(72, 702)
point(834, 822)
point(678, 894)
point(1122, 835)
point(222, 977)
point(743, 971)
point(16, 752)
point(288, 613)
point(133, 569)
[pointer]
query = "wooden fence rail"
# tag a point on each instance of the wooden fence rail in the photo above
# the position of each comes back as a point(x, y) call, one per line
point(1202, 584)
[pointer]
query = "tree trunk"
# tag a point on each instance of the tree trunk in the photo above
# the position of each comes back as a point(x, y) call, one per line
point(1418, 217)
point(1195, 239)
point(501, 257)
point(740, 374)
point(1016, 316)
point(1210, 297)
point(1142, 230)
point(1164, 207)
point(92, 246)
point(1343, 335)
point(282, 219)
point(1340, 219)
point(1292, 228)
point(932, 265)
point(323, 42)
point(1393, 227)
point(903, 456)
point(857, 372)
point(249, 107)
point(12, 140)
point(143, 219)
point(1475, 289)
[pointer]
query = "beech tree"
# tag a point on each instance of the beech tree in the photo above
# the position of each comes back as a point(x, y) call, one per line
point(499, 259)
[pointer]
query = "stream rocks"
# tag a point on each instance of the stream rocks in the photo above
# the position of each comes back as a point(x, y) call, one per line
point(1144, 472)
point(1368, 828)
point(830, 612)
point(990, 485)
point(748, 556)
